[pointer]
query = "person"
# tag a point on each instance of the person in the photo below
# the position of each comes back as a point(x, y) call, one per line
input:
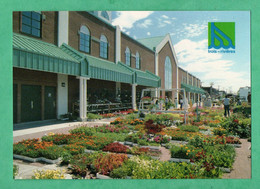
point(181, 102)
point(226, 102)
point(166, 103)
point(157, 104)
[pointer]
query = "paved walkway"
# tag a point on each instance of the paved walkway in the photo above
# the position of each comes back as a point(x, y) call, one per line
point(242, 165)
point(26, 131)
point(166, 155)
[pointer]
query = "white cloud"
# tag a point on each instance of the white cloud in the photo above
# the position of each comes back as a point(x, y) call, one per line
point(194, 30)
point(148, 33)
point(126, 19)
point(209, 67)
point(173, 18)
point(167, 22)
point(145, 24)
point(164, 16)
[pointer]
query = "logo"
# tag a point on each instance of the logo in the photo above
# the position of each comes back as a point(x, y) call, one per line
point(221, 37)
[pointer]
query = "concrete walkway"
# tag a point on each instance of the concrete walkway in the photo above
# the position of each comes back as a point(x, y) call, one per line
point(26, 131)
point(242, 165)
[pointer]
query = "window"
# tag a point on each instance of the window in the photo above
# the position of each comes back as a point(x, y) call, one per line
point(168, 73)
point(84, 41)
point(31, 23)
point(103, 47)
point(183, 79)
point(127, 57)
point(105, 15)
point(137, 61)
point(190, 80)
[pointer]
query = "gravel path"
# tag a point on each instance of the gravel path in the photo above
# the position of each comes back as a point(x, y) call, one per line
point(166, 155)
point(242, 165)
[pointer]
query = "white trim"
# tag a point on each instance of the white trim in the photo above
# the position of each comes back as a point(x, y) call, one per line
point(156, 63)
point(118, 44)
point(63, 27)
point(159, 47)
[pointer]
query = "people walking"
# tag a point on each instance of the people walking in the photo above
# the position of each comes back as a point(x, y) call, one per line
point(226, 103)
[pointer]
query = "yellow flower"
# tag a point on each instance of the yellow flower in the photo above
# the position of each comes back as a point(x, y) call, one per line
point(187, 153)
point(188, 150)
point(186, 147)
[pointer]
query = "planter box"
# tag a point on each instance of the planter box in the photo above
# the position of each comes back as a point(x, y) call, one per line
point(235, 145)
point(155, 157)
point(179, 141)
point(178, 160)
point(49, 160)
point(39, 159)
point(25, 158)
point(100, 176)
point(88, 151)
point(151, 147)
point(128, 143)
point(225, 170)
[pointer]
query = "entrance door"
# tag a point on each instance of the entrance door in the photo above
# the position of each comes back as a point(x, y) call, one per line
point(30, 103)
point(50, 103)
point(15, 103)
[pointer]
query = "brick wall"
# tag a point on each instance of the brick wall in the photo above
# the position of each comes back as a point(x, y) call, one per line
point(49, 26)
point(96, 28)
point(166, 51)
point(146, 55)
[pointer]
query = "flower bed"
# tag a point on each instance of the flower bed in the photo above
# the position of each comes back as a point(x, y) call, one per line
point(34, 148)
point(206, 154)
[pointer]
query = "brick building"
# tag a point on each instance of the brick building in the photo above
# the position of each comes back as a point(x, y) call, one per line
point(61, 59)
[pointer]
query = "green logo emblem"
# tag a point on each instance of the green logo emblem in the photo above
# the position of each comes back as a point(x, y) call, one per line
point(221, 34)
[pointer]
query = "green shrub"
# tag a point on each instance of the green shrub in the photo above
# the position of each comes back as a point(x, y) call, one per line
point(88, 131)
point(237, 126)
point(66, 157)
point(57, 139)
point(51, 152)
point(196, 141)
point(185, 152)
point(163, 119)
point(15, 170)
point(81, 163)
point(131, 117)
point(93, 116)
point(189, 128)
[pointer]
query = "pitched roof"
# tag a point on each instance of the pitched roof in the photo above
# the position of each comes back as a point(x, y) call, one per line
point(151, 42)
point(21, 42)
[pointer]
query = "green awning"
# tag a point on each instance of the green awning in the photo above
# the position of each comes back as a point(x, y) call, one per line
point(101, 69)
point(144, 78)
point(192, 89)
point(35, 54)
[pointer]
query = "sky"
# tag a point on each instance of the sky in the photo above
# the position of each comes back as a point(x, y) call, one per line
point(189, 35)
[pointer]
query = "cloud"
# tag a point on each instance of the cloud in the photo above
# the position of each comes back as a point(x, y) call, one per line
point(164, 16)
point(194, 30)
point(145, 24)
point(167, 22)
point(148, 33)
point(209, 67)
point(126, 19)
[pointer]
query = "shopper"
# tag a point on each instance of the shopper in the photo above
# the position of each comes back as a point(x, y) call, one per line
point(226, 103)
